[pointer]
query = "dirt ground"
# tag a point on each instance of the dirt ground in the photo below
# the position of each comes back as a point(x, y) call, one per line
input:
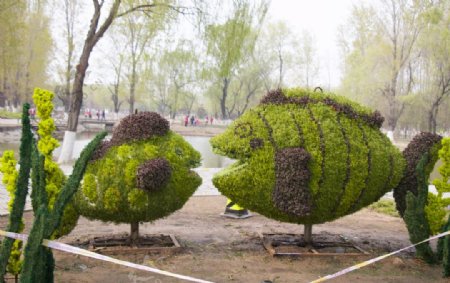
point(229, 250)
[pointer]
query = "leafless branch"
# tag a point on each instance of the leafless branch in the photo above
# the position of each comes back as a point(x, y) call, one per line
point(147, 9)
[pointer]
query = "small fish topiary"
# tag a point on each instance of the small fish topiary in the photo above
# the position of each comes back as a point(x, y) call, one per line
point(141, 174)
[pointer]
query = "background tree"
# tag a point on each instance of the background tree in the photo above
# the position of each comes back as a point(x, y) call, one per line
point(307, 61)
point(70, 14)
point(138, 30)
point(25, 37)
point(382, 53)
point(116, 85)
point(274, 51)
point(180, 66)
point(432, 72)
point(228, 43)
point(96, 30)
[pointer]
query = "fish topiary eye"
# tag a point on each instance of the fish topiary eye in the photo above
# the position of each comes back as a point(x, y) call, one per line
point(243, 130)
point(178, 151)
point(256, 143)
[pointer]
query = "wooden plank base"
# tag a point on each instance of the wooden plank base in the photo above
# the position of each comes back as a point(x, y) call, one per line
point(323, 245)
point(147, 244)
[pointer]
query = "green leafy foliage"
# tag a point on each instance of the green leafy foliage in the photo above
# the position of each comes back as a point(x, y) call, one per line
point(17, 185)
point(9, 115)
point(142, 178)
point(437, 204)
point(55, 178)
point(444, 250)
point(435, 210)
point(39, 263)
point(414, 215)
point(10, 174)
point(420, 145)
point(385, 206)
point(352, 163)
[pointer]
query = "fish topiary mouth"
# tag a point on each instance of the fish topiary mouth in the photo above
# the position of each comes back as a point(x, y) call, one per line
point(233, 168)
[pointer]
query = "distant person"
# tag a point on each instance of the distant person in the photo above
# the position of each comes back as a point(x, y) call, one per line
point(103, 114)
point(32, 112)
point(192, 120)
point(211, 119)
point(186, 120)
point(197, 122)
point(206, 121)
point(90, 114)
point(98, 114)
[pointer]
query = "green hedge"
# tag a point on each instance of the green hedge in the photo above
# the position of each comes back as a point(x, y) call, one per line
point(117, 186)
point(423, 143)
point(9, 246)
point(352, 163)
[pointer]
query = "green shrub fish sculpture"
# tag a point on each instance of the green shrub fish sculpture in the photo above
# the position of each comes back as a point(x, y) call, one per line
point(141, 174)
point(307, 157)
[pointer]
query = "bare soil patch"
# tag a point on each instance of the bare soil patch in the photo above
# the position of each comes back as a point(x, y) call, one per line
point(230, 250)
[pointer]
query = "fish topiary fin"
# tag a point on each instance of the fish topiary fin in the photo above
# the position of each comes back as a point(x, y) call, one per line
point(421, 144)
point(302, 97)
point(291, 193)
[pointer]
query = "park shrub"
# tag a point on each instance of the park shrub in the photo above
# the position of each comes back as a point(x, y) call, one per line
point(49, 211)
point(351, 163)
point(10, 174)
point(10, 115)
point(17, 186)
point(435, 210)
point(55, 178)
point(421, 144)
point(38, 261)
point(414, 214)
point(425, 212)
point(141, 175)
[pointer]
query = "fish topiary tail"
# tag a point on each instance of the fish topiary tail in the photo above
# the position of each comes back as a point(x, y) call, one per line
point(422, 144)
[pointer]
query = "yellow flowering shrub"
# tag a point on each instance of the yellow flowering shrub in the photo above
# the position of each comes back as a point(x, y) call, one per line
point(8, 168)
point(54, 176)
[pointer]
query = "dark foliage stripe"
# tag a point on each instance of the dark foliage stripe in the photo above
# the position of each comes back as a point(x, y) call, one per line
point(277, 97)
point(347, 173)
point(269, 130)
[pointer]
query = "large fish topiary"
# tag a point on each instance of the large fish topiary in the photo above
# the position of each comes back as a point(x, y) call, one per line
point(306, 157)
point(143, 173)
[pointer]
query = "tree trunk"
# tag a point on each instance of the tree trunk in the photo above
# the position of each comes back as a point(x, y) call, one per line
point(77, 89)
point(91, 40)
point(223, 100)
point(134, 234)
point(132, 91)
point(307, 235)
point(280, 81)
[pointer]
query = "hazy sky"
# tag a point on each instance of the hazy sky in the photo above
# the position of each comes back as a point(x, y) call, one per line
point(321, 18)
